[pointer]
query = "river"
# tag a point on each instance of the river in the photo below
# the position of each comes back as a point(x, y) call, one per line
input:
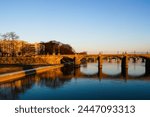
point(84, 83)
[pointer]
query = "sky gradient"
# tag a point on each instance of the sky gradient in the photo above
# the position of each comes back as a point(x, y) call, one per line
point(87, 25)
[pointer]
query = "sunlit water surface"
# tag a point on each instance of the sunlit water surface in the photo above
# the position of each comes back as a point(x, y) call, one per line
point(84, 83)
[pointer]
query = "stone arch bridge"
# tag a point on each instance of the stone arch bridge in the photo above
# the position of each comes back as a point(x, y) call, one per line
point(56, 59)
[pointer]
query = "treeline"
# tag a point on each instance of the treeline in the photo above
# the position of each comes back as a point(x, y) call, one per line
point(11, 45)
point(55, 47)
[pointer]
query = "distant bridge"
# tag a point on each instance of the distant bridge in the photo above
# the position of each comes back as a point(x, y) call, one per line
point(56, 59)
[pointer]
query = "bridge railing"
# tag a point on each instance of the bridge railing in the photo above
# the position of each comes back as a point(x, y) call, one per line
point(122, 52)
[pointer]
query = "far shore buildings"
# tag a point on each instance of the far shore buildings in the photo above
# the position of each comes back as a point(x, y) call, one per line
point(12, 48)
point(20, 48)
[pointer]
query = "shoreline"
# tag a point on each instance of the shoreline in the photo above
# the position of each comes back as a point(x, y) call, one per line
point(17, 75)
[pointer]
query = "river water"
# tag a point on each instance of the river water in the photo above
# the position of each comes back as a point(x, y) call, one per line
point(86, 82)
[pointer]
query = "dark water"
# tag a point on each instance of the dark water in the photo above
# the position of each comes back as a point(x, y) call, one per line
point(85, 83)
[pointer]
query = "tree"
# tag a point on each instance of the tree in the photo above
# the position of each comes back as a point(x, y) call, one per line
point(9, 36)
point(12, 36)
point(57, 48)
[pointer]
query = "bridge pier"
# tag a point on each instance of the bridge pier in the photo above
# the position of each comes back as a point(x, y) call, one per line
point(76, 72)
point(125, 73)
point(147, 66)
point(100, 61)
point(134, 60)
point(100, 64)
point(100, 73)
point(77, 61)
point(124, 66)
point(110, 60)
point(143, 60)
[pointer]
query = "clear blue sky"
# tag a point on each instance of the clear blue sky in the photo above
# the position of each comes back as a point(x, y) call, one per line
point(87, 25)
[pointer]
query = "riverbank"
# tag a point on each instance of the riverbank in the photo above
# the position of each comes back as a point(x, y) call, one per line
point(20, 74)
point(9, 68)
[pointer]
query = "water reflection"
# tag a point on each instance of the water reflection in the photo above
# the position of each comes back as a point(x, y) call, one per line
point(136, 69)
point(87, 82)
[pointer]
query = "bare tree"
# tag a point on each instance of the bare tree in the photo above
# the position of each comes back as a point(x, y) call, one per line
point(13, 36)
point(10, 36)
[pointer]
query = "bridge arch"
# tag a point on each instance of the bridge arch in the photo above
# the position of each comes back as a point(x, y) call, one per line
point(110, 58)
point(66, 60)
point(136, 58)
